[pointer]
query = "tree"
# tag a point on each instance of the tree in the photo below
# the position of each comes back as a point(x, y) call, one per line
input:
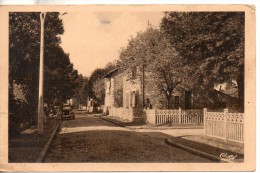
point(211, 44)
point(60, 76)
point(80, 93)
point(96, 85)
point(152, 50)
point(24, 50)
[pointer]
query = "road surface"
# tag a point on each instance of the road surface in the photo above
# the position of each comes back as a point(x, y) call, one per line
point(91, 139)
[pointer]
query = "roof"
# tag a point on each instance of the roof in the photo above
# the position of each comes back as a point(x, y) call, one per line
point(233, 95)
point(110, 73)
point(229, 90)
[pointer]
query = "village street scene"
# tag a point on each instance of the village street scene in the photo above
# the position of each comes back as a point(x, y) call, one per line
point(126, 87)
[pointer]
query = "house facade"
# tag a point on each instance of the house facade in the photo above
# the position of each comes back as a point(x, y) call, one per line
point(124, 93)
point(133, 94)
point(109, 91)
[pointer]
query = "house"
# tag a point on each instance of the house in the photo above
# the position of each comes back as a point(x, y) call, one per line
point(226, 97)
point(109, 90)
point(124, 93)
point(214, 98)
point(89, 104)
point(132, 93)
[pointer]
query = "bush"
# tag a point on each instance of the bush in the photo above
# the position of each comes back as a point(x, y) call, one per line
point(21, 114)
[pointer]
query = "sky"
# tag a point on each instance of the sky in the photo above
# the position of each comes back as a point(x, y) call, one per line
point(95, 38)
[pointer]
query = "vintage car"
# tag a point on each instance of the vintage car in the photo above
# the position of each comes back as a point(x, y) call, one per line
point(67, 112)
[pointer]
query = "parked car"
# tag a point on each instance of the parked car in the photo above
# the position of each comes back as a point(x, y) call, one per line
point(67, 112)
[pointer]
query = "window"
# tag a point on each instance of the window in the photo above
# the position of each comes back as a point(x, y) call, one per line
point(108, 86)
point(176, 101)
point(188, 99)
point(133, 99)
point(127, 100)
point(134, 71)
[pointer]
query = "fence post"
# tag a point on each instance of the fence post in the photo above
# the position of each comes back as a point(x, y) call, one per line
point(179, 115)
point(225, 123)
point(155, 116)
point(204, 120)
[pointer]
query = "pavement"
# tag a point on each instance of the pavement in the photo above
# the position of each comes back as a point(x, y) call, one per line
point(190, 138)
point(28, 145)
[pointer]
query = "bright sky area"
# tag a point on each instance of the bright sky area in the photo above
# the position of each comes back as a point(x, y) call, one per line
point(95, 38)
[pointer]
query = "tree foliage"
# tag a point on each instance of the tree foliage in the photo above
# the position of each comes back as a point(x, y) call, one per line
point(24, 51)
point(211, 44)
point(81, 92)
point(152, 51)
point(60, 78)
point(96, 85)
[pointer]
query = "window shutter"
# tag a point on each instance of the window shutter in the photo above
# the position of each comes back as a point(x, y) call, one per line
point(127, 100)
point(133, 99)
point(108, 87)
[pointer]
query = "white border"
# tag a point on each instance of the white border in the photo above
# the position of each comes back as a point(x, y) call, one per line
point(253, 2)
point(73, 2)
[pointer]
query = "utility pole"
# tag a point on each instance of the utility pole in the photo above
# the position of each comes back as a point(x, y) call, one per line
point(41, 77)
point(143, 87)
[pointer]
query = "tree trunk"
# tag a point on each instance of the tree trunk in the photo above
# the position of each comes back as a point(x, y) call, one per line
point(169, 102)
point(241, 91)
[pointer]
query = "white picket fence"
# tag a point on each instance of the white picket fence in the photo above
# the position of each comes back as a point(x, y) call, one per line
point(224, 125)
point(167, 116)
point(174, 116)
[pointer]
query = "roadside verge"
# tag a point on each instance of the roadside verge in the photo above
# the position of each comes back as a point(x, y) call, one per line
point(47, 145)
point(206, 151)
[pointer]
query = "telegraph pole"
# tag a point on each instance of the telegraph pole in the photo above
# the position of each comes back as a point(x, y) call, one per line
point(143, 87)
point(41, 77)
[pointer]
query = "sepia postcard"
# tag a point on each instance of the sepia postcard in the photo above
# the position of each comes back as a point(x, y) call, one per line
point(127, 88)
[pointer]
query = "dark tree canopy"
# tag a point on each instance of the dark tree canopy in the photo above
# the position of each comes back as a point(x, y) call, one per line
point(81, 93)
point(60, 78)
point(211, 44)
point(24, 53)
